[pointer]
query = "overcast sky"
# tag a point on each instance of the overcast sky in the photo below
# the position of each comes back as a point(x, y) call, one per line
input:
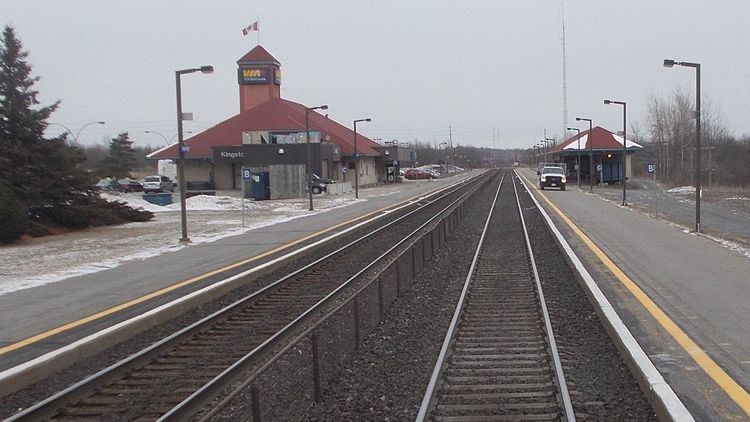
point(414, 67)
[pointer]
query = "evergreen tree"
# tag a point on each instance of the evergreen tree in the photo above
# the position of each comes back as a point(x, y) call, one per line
point(41, 182)
point(121, 157)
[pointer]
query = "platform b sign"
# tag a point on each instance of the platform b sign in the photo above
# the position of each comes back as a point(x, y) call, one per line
point(650, 167)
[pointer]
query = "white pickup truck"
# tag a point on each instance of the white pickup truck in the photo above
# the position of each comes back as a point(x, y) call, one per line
point(551, 177)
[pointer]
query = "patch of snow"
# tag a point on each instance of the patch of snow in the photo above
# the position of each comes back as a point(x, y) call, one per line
point(56, 258)
point(737, 198)
point(683, 189)
point(133, 200)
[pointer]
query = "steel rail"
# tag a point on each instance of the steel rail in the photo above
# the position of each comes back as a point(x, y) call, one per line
point(562, 384)
point(432, 388)
point(429, 394)
point(49, 405)
point(195, 401)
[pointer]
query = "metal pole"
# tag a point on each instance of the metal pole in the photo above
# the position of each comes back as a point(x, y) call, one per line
point(591, 155)
point(624, 152)
point(697, 147)
point(181, 161)
point(356, 164)
point(309, 158)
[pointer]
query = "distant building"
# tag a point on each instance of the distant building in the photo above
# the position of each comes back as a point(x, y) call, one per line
point(604, 146)
point(268, 135)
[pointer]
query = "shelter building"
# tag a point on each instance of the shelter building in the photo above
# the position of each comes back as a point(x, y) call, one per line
point(269, 136)
point(600, 146)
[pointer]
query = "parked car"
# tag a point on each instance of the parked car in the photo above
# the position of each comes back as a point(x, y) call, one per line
point(158, 184)
point(551, 176)
point(318, 187)
point(319, 179)
point(129, 185)
point(107, 184)
point(415, 174)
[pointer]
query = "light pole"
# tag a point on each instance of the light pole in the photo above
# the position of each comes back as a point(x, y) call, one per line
point(75, 137)
point(591, 151)
point(356, 157)
point(309, 151)
point(697, 173)
point(166, 141)
point(181, 148)
point(624, 147)
point(578, 155)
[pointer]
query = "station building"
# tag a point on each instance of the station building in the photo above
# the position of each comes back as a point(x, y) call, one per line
point(604, 147)
point(269, 136)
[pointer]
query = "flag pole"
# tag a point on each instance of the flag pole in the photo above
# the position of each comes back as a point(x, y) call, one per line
point(257, 21)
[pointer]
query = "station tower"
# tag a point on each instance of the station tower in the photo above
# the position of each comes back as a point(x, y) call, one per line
point(259, 77)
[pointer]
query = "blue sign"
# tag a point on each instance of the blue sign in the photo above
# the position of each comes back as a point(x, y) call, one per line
point(185, 149)
point(246, 174)
point(650, 168)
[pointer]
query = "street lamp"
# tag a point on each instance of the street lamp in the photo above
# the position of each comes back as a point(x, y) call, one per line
point(624, 147)
point(75, 137)
point(578, 155)
point(309, 152)
point(356, 157)
point(181, 148)
point(697, 173)
point(166, 141)
point(591, 151)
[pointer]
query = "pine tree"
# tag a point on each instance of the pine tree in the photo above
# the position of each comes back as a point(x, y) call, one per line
point(42, 182)
point(121, 157)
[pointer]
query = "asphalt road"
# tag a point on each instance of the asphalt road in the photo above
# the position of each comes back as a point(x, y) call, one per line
point(724, 216)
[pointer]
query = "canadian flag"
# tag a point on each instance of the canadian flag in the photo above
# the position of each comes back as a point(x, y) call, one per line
point(253, 27)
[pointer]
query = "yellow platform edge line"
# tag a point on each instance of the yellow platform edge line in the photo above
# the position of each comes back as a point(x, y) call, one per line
point(117, 308)
point(735, 391)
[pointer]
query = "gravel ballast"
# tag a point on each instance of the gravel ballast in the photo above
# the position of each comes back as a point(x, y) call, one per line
point(386, 378)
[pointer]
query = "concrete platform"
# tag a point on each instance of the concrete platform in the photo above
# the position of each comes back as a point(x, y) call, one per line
point(685, 298)
point(61, 313)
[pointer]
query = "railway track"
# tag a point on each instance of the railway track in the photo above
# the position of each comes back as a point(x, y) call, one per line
point(499, 360)
point(155, 381)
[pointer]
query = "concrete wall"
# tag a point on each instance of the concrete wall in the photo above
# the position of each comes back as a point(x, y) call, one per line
point(197, 170)
point(223, 176)
point(368, 175)
point(339, 188)
point(287, 181)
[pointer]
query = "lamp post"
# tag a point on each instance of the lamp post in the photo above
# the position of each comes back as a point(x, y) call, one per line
point(181, 148)
point(166, 141)
point(591, 151)
point(624, 147)
point(75, 137)
point(697, 173)
point(356, 157)
point(578, 155)
point(309, 150)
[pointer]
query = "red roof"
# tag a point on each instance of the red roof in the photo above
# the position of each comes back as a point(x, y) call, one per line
point(258, 54)
point(600, 139)
point(273, 115)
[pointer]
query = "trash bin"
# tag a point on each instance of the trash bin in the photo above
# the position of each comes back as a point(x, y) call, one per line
point(158, 198)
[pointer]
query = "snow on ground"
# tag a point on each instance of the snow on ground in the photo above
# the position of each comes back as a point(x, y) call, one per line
point(684, 190)
point(54, 258)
